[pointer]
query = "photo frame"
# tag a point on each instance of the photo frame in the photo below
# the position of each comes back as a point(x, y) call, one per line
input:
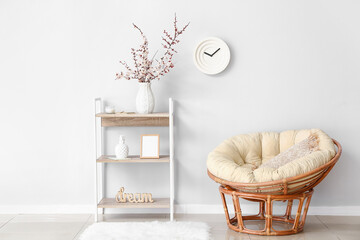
point(150, 146)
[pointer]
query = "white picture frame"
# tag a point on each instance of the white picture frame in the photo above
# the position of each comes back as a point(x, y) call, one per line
point(150, 146)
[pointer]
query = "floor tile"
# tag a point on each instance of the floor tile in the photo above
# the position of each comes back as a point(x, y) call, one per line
point(43, 227)
point(345, 227)
point(313, 229)
point(202, 217)
point(70, 227)
point(37, 236)
point(4, 218)
point(86, 225)
point(228, 234)
point(51, 218)
point(330, 220)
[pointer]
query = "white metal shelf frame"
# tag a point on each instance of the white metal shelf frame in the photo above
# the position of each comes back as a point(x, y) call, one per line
point(100, 166)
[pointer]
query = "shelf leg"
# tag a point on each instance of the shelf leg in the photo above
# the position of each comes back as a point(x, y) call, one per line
point(98, 151)
point(96, 193)
point(101, 184)
point(171, 140)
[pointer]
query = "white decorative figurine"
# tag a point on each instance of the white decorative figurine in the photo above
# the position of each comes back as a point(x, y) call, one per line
point(121, 149)
point(110, 109)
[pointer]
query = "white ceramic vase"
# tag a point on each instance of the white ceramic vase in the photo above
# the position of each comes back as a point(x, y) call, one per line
point(145, 101)
point(121, 149)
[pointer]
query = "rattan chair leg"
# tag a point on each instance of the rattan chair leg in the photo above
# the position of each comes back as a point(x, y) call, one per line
point(306, 208)
point(268, 215)
point(225, 207)
point(288, 209)
point(238, 212)
point(262, 209)
point(298, 213)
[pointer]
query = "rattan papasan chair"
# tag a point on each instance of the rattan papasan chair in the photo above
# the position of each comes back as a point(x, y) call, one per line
point(237, 165)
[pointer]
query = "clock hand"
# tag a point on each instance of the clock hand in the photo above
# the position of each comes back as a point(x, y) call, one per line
point(208, 54)
point(215, 52)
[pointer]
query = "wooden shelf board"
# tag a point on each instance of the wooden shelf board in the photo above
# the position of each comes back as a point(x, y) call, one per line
point(111, 203)
point(133, 159)
point(134, 121)
point(132, 115)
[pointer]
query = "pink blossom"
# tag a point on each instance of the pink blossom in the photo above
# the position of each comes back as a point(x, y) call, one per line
point(145, 69)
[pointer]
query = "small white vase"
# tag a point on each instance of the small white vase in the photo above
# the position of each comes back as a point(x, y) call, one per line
point(145, 101)
point(121, 149)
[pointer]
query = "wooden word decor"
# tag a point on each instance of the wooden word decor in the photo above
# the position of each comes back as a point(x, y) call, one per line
point(122, 197)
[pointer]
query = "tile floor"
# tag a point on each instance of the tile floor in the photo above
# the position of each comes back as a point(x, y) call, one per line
point(69, 227)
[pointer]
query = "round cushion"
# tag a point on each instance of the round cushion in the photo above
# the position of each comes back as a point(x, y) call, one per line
point(236, 158)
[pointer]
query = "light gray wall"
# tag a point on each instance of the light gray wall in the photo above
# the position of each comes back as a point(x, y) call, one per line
point(294, 65)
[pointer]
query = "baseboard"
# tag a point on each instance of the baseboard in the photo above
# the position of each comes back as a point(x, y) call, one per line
point(180, 208)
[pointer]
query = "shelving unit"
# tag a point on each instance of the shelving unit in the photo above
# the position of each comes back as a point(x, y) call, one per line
point(131, 120)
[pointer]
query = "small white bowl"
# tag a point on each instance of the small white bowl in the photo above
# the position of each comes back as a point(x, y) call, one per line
point(110, 109)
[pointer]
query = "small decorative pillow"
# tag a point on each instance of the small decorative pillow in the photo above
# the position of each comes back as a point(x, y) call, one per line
point(301, 149)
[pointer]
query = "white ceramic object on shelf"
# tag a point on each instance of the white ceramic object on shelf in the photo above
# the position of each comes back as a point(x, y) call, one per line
point(121, 149)
point(110, 109)
point(145, 101)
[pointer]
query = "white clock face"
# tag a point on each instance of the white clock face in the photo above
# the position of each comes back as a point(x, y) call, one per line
point(212, 56)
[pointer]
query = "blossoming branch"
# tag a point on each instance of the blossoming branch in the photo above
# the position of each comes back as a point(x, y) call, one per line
point(145, 69)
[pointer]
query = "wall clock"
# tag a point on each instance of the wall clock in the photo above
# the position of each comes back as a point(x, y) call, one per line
point(212, 55)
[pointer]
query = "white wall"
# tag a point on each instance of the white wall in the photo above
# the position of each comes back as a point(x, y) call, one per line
point(295, 64)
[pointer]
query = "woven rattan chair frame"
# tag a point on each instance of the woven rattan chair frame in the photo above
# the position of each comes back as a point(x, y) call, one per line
point(294, 188)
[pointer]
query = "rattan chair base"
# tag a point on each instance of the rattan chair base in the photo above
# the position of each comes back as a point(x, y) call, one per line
point(237, 223)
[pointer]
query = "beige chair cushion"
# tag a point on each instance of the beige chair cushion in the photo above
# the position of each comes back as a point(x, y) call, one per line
point(235, 159)
point(299, 150)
